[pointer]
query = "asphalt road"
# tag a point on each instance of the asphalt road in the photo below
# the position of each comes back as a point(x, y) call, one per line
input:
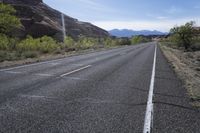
point(100, 92)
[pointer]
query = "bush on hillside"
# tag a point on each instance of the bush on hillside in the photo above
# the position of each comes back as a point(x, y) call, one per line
point(86, 42)
point(8, 21)
point(44, 44)
point(109, 42)
point(47, 44)
point(69, 43)
point(4, 42)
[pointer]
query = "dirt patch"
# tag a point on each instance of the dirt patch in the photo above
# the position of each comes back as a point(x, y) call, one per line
point(187, 67)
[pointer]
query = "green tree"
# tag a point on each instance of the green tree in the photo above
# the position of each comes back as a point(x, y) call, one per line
point(139, 39)
point(183, 35)
point(8, 21)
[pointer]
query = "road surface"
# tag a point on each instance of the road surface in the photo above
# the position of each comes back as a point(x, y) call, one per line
point(100, 92)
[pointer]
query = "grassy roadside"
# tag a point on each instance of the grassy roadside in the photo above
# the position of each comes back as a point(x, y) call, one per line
point(50, 56)
point(187, 67)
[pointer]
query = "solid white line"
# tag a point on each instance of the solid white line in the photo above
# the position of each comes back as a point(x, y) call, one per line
point(75, 71)
point(149, 110)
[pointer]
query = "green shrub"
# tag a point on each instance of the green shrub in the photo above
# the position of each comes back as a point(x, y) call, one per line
point(29, 44)
point(8, 21)
point(123, 41)
point(69, 43)
point(12, 56)
point(30, 54)
point(86, 42)
point(45, 44)
point(7, 43)
point(4, 42)
point(3, 56)
point(139, 39)
point(109, 42)
point(12, 43)
point(9, 56)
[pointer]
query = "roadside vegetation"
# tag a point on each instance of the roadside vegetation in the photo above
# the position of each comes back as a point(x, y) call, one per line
point(139, 39)
point(185, 37)
point(182, 49)
point(12, 48)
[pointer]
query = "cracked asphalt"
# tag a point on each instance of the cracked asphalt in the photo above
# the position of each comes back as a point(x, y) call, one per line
point(100, 92)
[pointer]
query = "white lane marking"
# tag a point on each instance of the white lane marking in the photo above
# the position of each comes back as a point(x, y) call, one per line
point(75, 78)
point(36, 96)
point(75, 71)
point(13, 72)
point(149, 110)
point(44, 75)
point(77, 64)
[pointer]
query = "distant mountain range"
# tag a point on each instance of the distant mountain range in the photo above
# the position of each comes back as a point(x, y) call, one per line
point(129, 33)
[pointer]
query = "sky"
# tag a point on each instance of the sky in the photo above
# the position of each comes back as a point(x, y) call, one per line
point(131, 14)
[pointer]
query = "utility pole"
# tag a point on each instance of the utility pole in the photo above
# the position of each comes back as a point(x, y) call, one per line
point(63, 26)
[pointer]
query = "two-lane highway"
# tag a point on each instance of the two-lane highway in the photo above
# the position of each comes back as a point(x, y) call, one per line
point(105, 91)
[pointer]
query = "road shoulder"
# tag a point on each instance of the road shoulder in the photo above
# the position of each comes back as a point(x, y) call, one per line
point(173, 112)
point(185, 65)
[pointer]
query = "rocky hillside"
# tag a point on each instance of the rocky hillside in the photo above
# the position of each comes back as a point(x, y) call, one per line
point(39, 19)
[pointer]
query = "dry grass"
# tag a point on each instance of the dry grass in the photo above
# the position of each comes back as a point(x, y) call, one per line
point(187, 67)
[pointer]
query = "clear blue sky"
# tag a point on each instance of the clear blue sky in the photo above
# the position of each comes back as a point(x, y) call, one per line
point(131, 14)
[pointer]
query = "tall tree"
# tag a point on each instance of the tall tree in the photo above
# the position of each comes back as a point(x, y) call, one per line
point(184, 34)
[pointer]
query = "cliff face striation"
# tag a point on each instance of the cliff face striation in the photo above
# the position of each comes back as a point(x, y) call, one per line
point(39, 19)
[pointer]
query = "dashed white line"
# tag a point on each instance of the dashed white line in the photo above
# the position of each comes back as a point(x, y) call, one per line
point(13, 72)
point(74, 71)
point(75, 78)
point(37, 97)
point(149, 110)
point(44, 75)
point(78, 64)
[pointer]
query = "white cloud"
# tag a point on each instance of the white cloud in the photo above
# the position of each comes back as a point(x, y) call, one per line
point(161, 25)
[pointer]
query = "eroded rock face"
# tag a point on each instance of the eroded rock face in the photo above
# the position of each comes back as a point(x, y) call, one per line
point(39, 19)
point(29, 2)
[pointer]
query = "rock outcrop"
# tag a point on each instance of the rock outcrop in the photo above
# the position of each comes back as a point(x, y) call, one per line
point(39, 19)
